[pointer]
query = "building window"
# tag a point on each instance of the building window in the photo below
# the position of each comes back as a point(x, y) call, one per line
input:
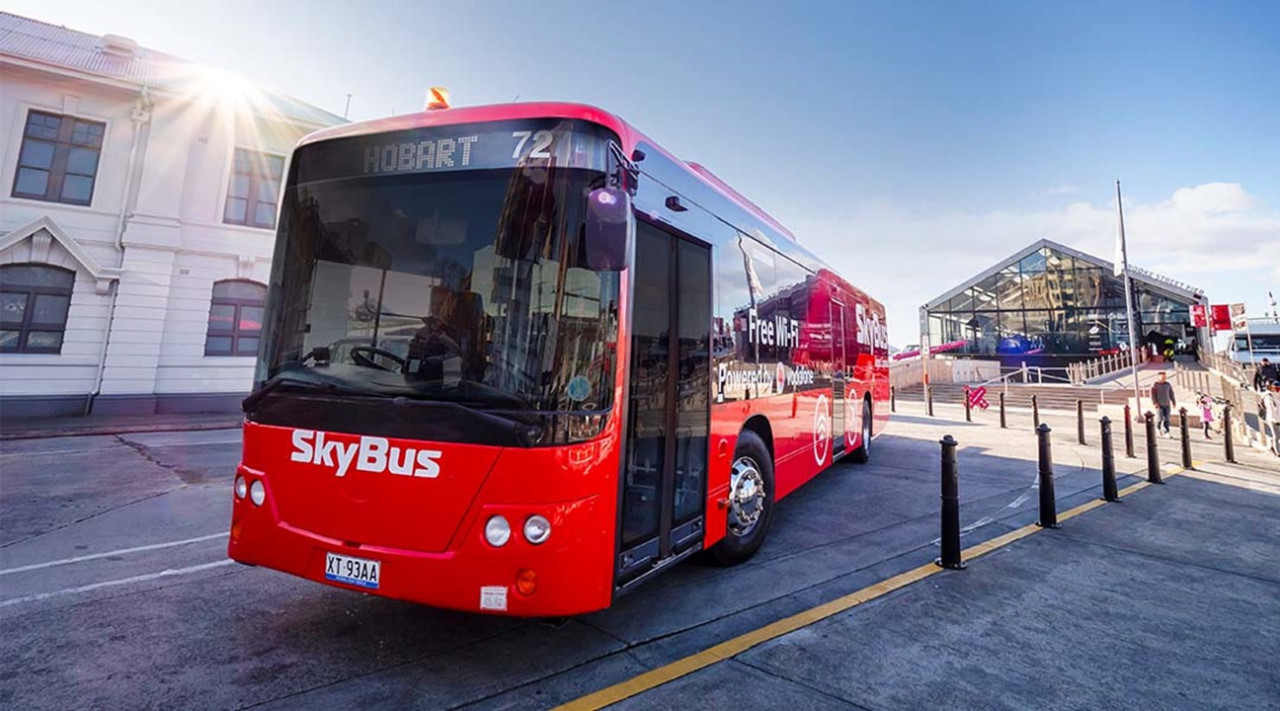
point(254, 189)
point(58, 161)
point(235, 318)
point(34, 299)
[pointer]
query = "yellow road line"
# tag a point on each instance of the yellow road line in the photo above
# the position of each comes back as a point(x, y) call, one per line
point(737, 645)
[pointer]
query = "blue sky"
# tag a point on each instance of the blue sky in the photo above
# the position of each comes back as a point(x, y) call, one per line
point(911, 143)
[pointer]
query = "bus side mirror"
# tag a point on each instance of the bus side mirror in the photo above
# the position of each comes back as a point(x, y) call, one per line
point(608, 213)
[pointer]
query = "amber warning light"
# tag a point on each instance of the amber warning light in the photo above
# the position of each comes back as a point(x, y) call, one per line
point(437, 98)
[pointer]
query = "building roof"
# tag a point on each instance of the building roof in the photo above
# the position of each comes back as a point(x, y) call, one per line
point(122, 60)
point(1171, 287)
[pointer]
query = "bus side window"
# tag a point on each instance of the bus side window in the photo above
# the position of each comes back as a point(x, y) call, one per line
point(755, 339)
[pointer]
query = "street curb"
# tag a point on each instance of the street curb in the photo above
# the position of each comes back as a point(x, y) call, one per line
point(107, 429)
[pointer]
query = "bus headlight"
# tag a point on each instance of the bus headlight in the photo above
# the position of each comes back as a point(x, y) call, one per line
point(257, 492)
point(497, 531)
point(537, 529)
point(242, 487)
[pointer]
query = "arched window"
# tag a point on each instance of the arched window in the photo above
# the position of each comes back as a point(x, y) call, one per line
point(235, 318)
point(34, 299)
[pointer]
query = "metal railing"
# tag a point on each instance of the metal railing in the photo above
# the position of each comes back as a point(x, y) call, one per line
point(1027, 375)
point(1086, 370)
point(1234, 382)
point(1226, 366)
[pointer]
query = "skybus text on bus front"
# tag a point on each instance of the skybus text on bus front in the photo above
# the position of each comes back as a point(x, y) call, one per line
point(782, 331)
point(368, 454)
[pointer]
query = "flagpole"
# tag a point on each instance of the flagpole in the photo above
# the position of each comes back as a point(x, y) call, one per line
point(1123, 266)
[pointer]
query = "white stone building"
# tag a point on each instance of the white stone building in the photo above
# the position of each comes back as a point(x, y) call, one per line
point(137, 215)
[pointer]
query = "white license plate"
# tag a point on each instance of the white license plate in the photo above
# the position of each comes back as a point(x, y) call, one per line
point(353, 571)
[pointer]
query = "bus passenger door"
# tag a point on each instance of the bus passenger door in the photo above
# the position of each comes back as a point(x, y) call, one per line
point(663, 492)
point(839, 380)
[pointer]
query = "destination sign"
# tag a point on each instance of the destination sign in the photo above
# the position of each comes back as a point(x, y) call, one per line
point(500, 144)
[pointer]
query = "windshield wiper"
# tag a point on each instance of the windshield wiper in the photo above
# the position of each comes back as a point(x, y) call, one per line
point(528, 434)
point(277, 382)
point(470, 391)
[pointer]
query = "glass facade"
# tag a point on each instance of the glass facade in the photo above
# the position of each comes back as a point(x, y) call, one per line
point(1052, 307)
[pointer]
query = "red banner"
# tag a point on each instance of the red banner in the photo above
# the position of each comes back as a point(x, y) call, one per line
point(1221, 317)
point(1198, 317)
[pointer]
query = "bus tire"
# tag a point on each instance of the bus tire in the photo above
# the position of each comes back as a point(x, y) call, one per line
point(862, 454)
point(751, 498)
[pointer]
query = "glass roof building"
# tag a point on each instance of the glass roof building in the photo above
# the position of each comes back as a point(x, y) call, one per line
point(1050, 305)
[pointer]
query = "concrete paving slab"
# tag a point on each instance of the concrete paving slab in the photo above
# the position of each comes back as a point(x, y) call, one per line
point(229, 640)
point(47, 489)
point(739, 686)
point(525, 654)
point(1195, 523)
point(1096, 615)
point(45, 427)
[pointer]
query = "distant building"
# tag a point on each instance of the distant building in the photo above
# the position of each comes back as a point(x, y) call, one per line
point(1050, 305)
point(137, 222)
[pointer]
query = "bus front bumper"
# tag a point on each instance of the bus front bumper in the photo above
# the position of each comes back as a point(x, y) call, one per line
point(519, 579)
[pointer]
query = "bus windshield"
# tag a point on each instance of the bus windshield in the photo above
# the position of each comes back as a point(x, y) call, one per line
point(466, 286)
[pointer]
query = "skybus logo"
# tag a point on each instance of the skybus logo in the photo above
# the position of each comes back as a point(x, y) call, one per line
point(370, 454)
point(871, 331)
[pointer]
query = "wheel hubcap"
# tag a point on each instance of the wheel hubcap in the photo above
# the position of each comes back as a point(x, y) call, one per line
point(866, 430)
point(746, 496)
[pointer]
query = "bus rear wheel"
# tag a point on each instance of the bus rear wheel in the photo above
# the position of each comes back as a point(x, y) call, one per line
point(862, 454)
point(751, 496)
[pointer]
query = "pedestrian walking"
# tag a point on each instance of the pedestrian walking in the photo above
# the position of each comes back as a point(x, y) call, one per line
point(1265, 374)
point(1271, 407)
point(1163, 400)
point(1206, 413)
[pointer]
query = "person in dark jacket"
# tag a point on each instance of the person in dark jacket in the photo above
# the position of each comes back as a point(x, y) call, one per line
point(1163, 400)
point(1265, 374)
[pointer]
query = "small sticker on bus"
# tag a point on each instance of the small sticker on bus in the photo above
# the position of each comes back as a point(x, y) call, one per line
point(493, 597)
point(579, 388)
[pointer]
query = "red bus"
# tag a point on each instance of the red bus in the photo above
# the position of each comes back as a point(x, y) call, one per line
point(518, 359)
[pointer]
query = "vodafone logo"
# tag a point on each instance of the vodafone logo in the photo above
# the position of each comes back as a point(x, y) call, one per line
point(821, 429)
point(369, 454)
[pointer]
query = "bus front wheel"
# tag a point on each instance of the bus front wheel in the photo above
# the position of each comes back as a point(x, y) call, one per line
point(751, 497)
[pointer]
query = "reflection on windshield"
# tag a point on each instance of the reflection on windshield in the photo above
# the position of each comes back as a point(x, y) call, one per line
point(459, 286)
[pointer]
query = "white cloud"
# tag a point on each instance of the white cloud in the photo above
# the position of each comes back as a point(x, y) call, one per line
point(1212, 198)
point(1214, 236)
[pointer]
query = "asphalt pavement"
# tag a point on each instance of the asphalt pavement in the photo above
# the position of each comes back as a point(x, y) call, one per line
point(115, 591)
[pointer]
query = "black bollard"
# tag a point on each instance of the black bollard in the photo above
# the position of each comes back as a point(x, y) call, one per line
point(950, 507)
point(1080, 420)
point(1186, 438)
point(893, 398)
point(1128, 433)
point(929, 401)
point(1003, 423)
point(1108, 463)
point(1035, 412)
point(1153, 456)
point(968, 408)
point(1227, 446)
point(1048, 502)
